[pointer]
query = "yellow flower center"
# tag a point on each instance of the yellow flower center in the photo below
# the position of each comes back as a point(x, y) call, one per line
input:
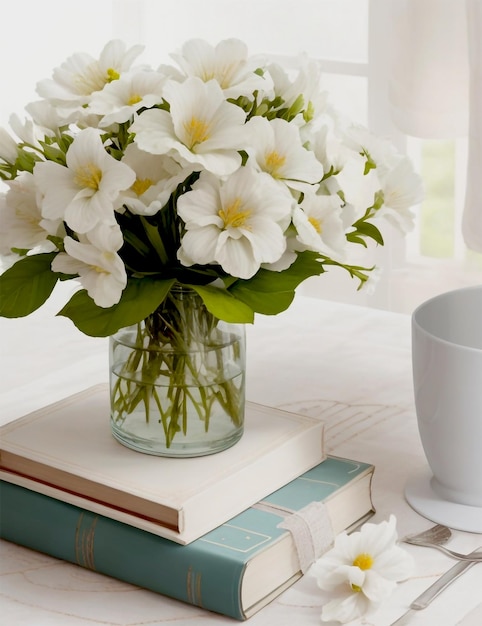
point(98, 269)
point(112, 75)
point(141, 185)
point(197, 131)
point(134, 99)
point(274, 161)
point(364, 561)
point(89, 176)
point(207, 76)
point(233, 216)
point(315, 223)
point(108, 256)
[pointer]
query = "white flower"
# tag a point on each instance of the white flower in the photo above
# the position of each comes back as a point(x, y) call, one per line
point(81, 75)
point(319, 224)
point(402, 189)
point(238, 224)
point(288, 257)
point(94, 258)
point(27, 131)
point(23, 226)
point(361, 571)
point(47, 117)
point(370, 285)
point(202, 128)
point(157, 176)
point(361, 140)
point(328, 147)
point(277, 150)
point(120, 99)
point(227, 63)
point(357, 187)
point(306, 83)
point(85, 192)
point(8, 147)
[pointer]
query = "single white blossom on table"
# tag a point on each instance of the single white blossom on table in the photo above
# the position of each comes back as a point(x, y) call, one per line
point(361, 571)
point(84, 192)
point(94, 258)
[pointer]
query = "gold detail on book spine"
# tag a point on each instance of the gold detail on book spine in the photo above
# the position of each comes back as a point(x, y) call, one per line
point(199, 601)
point(84, 541)
point(193, 587)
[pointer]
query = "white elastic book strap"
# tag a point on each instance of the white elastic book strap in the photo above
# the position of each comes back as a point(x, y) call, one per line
point(312, 532)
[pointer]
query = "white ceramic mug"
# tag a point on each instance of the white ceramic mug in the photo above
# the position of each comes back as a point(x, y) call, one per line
point(447, 376)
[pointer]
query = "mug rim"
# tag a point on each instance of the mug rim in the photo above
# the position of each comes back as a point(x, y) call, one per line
point(441, 296)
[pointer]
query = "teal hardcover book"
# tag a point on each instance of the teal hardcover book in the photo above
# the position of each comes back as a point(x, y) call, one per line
point(236, 569)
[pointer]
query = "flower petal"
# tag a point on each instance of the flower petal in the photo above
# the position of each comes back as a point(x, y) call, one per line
point(345, 609)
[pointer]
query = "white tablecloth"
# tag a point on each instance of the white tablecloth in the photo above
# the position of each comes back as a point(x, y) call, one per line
point(347, 365)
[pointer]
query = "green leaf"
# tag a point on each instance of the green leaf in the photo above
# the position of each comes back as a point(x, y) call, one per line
point(266, 303)
point(309, 112)
point(25, 286)
point(224, 305)
point(266, 281)
point(355, 271)
point(354, 238)
point(295, 108)
point(379, 199)
point(155, 239)
point(139, 299)
point(369, 230)
point(270, 292)
point(53, 154)
point(369, 163)
point(26, 161)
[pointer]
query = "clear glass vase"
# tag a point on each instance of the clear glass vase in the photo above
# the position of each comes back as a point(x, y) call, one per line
point(177, 380)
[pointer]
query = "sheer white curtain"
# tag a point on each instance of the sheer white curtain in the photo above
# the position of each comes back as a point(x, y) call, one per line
point(472, 221)
point(436, 84)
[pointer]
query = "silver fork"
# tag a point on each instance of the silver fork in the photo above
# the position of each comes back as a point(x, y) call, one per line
point(437, 535)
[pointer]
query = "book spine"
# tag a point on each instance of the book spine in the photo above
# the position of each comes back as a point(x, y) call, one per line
point(188, 573)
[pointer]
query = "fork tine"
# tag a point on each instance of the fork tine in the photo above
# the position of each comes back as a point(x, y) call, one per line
point(440, 531)
point(437, 534)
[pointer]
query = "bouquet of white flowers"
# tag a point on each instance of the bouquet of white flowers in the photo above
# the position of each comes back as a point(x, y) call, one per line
point(225, 174)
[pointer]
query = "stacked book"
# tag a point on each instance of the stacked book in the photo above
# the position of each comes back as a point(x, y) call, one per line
point(213, 531)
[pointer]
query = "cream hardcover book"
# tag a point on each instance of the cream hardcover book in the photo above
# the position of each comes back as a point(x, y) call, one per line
point(66, 451)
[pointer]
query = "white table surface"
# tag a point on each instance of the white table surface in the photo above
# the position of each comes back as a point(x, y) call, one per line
point(347, 365)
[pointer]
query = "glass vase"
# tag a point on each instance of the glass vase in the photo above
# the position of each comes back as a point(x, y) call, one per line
point(177, 380)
